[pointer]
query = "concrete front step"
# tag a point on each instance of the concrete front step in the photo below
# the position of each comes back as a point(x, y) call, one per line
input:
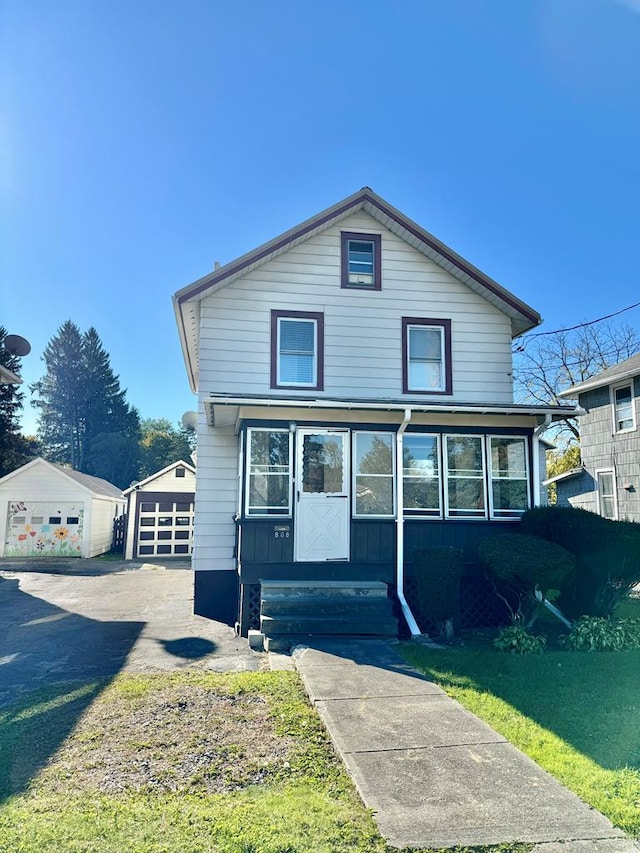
point(286, 643)
point(331, 607)
point(311, 625)
point(326, 589)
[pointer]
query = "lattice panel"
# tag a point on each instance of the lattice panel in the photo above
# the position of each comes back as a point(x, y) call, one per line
point(479, 605)
point(252, 603)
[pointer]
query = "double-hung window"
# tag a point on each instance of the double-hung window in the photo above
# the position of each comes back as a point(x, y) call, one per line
point(421, 473)
point(268, 490)
point(426, 356)
point(361, 260)
point(509, 495)
point(607, 501)
point(623, 411)
point(373, 473)
point(297, 347)
point(464, 471)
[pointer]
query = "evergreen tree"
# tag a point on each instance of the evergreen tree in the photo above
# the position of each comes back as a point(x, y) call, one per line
point(84, 419)
point(15, 449)
point(163, 444)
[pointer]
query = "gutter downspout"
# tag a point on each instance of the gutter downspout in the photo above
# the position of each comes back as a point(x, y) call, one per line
point(406, 611)
point(535, 452)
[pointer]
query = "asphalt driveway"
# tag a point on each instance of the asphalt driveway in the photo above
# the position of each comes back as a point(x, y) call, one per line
point(78, 620)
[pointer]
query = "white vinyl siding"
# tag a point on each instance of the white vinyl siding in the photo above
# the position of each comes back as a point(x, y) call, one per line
point(362, 330)
point(216, 498)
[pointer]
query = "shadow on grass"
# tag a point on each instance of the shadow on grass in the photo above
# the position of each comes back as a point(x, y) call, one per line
point(589, 700)
point(53, 663)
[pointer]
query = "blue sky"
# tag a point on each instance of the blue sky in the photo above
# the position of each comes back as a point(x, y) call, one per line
point(142, 141)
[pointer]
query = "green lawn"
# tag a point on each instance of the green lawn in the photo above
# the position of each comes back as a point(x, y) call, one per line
point(576, 714)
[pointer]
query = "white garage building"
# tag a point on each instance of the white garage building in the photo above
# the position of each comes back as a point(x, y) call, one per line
point(160, 513)
point(47, 510)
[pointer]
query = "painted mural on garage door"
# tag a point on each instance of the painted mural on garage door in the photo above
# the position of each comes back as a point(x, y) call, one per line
point(44, 529)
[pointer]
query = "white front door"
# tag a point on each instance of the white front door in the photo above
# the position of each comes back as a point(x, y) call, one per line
point(322, 495)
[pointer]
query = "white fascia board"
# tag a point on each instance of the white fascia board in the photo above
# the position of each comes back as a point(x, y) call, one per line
point(556, 412)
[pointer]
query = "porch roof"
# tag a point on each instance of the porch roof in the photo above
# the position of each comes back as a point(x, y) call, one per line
point(224, 408)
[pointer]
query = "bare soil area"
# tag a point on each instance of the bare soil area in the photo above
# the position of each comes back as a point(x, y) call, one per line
point(181, 737)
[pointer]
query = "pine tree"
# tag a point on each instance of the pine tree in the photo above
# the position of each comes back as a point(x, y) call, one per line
point(84, 419)
point(15, 449)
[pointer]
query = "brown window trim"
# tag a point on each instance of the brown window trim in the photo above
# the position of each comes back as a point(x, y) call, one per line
point(448, 373)
point(318, 316)
point(376, 239)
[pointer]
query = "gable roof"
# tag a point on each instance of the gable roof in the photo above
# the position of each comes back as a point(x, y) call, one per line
point(157, 474)
point(187, 300)
point(95, 485)
point(624, 370)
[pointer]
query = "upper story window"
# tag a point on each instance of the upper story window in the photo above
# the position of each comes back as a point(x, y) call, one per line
point(361, 260)
point(623, 409)
point(297, 350)
point(426, 356)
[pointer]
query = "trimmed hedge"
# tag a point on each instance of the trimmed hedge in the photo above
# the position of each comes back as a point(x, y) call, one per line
point(437, 572)
point(607, 556)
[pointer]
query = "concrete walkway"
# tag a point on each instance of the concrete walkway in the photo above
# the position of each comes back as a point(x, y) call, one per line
point(434, 774)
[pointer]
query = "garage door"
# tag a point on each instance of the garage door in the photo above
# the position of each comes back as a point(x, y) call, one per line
point(44, 529)
point(164, 527)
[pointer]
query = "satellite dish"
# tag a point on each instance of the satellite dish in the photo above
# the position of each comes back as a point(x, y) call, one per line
point(17, 345)
point(190, 420)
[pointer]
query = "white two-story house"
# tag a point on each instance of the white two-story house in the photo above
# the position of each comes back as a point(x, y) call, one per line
point(355, 403)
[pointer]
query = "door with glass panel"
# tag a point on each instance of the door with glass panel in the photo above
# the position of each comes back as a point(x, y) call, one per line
point(322, 495)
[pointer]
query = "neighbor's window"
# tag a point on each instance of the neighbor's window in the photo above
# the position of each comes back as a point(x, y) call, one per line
point(421, 472)
point(426, 350)
point(373, 473)
point(607, 504)
point(623, 413)
point(509, 476)
point(297, 348)
point(180, 472)
point(268, 489)
point(464, 470)
point(361, 260)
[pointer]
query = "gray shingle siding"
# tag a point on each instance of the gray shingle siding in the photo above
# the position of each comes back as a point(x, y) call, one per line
point(602, 447)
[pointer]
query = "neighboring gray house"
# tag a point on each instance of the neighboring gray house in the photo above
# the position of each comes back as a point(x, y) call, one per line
point(609, 481)
point(355, 404)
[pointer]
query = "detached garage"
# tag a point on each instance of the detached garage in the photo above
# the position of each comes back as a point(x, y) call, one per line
point(50, 511)
point(160, 513)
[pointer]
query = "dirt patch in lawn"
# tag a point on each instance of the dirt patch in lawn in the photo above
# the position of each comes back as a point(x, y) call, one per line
point(180, 737)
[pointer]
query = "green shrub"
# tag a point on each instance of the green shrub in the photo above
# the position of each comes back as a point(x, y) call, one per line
point(607, 554)
point(437, 572)
point(516, 640)
point(596, 634)
point(525, 563)
point(631, 628)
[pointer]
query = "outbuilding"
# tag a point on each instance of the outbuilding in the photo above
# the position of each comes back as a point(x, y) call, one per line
point(160, 513)
point(47, 510)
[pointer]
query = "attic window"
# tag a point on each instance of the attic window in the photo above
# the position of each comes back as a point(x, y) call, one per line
point(361, 260)
point(180, 472)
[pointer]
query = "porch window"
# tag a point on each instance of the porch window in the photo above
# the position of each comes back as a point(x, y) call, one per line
point(426, 355)
point(268, 490)
point(509, 496)
point(607, 503)
point(464, 470)
point(373, 474)
point(623, 414)
point(421, 472)
point(297, 349)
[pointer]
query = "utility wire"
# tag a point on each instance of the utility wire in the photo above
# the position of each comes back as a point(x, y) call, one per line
point(527, 338)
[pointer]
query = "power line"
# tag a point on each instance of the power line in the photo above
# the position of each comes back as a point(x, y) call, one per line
point(527, 338)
